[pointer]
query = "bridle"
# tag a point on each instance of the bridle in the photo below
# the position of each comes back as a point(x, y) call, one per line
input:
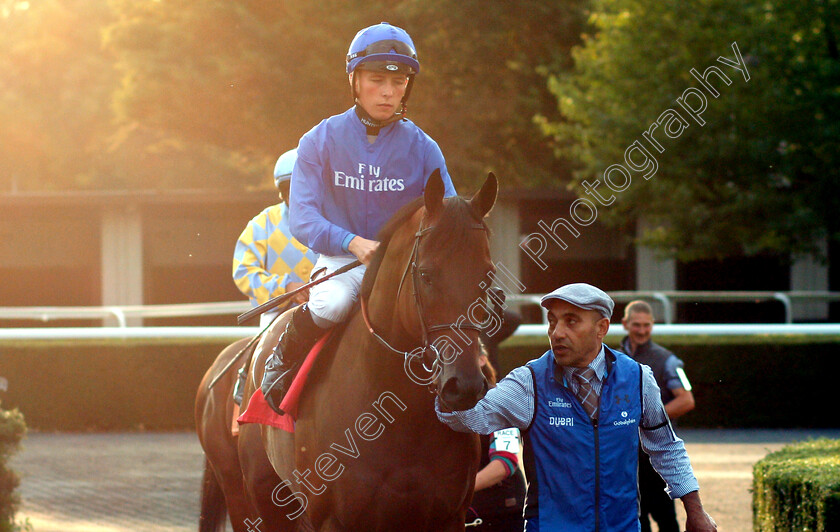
point(421, 351)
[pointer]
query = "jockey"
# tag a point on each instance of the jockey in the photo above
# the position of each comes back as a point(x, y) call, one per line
point(353, 172)
point(267, 260)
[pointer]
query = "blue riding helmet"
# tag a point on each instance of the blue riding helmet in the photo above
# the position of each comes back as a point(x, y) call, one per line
point(283, 168)
point(385, 48)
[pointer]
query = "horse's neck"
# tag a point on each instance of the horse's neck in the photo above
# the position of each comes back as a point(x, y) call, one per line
point(380, 367)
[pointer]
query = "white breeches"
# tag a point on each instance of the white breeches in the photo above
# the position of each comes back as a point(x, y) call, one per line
point(266, 317)
point(330, 302)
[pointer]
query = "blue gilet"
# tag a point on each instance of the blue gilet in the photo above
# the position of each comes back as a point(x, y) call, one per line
point(586, 474)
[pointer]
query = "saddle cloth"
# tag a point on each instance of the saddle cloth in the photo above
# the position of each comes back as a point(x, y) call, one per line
point(258, 410)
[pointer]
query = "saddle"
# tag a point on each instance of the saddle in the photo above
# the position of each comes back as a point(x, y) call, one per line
point(258, 410)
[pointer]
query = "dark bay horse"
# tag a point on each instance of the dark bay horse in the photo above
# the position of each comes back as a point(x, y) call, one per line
point(368, 452)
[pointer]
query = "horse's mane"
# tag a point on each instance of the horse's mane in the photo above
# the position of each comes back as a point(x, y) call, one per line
point(449, 235)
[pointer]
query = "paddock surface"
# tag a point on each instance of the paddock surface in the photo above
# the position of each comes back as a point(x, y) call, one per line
point(150, 481)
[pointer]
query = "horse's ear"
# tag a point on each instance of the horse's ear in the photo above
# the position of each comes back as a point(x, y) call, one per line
point(485, 198)
point(433, 195)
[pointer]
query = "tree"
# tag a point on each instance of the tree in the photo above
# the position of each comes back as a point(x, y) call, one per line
point(53, 94)
point(486, 81)
point(56, 120)
point(252, 76)
point(177, 94)
point(760, 174)
point(244, 77)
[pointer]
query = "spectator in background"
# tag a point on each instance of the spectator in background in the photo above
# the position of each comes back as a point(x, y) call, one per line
point(675, 391)
point(267, 260)
point(499, 485)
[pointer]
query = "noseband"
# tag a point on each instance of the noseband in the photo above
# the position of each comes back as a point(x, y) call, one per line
point(426, 347)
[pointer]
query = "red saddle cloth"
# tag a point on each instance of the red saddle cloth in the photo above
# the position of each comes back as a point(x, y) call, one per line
point(258, 410)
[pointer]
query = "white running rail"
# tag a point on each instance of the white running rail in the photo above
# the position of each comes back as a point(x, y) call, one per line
point(121, 314)
point(534, 330)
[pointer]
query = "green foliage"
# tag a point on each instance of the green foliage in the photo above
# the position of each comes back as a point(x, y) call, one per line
point(256, 76)
point(762, 174)
point(798, 488)
point(54, 93)
point(176, 94)
point(12, 430)
point(57, 124)
point(107, 385)
point(486, 80)
point(237, 75)
point(149, 384)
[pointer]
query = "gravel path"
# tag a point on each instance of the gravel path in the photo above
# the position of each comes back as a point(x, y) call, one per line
point(150, 481)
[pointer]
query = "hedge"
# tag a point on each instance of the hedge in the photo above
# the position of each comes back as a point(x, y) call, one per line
point(151, 385)
point(12, 430)
point(106, 384)
point(798, 488)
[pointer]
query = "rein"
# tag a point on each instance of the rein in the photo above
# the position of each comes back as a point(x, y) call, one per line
point(437, 361)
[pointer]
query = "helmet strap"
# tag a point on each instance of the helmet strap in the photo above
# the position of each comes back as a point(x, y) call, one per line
point(407, 92)
point(373, 125)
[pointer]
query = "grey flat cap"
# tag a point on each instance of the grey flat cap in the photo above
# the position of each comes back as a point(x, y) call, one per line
point(584, 296)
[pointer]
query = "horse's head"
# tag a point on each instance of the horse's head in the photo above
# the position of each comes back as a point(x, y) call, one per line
point(452, 274)
point(428, 282)
point(444, 297)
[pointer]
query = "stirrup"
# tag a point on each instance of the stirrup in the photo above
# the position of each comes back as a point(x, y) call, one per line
point(279, 392)
point(239, 386)
point(294, 344)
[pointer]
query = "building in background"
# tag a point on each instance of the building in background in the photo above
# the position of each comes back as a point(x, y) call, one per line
point(122, 248)
point(158, 247)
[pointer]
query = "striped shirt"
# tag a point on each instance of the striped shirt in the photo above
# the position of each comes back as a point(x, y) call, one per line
point(511, 404)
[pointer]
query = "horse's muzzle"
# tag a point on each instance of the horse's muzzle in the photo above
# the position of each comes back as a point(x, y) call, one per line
point(462, 394)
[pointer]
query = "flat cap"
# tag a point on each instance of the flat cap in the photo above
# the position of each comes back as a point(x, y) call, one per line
point(584, 296)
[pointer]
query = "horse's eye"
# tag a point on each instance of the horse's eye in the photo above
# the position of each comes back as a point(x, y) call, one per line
point(426, 277)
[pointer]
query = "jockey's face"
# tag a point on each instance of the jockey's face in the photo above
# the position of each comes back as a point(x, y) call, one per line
point(284, 191)
point(380, 93)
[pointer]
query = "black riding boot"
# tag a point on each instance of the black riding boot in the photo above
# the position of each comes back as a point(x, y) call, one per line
point(281, 366)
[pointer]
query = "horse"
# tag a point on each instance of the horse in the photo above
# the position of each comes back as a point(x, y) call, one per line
point(368, 452)
point(222, 487)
